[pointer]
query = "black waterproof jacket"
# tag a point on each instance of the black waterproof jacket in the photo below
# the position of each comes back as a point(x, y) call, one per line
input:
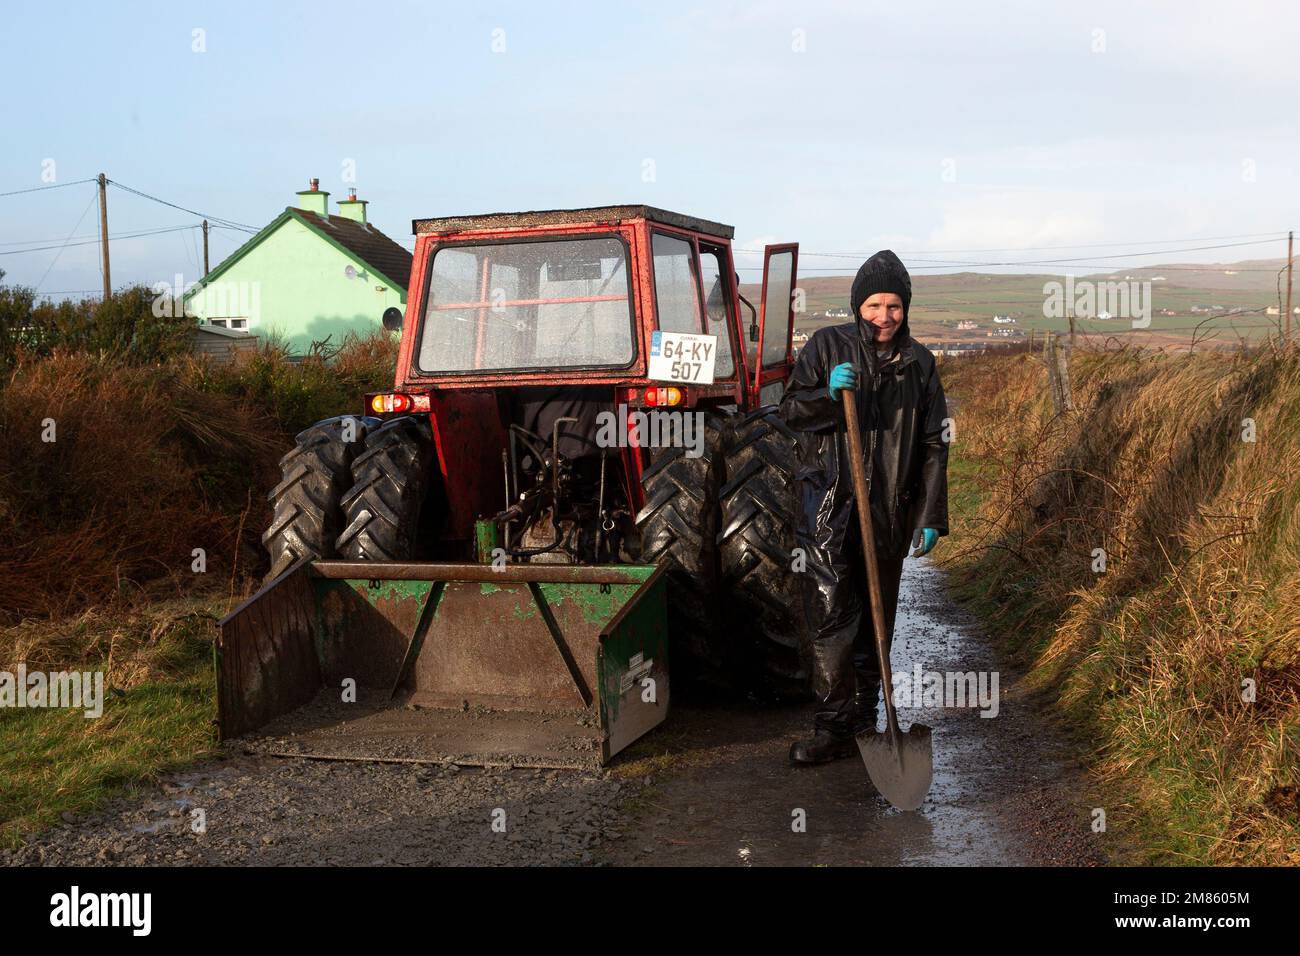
point(901, 409)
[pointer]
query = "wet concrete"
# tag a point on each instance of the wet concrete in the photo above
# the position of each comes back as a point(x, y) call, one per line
point(1006, 788)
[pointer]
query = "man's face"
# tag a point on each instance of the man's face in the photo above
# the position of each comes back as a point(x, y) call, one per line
point(884, 310)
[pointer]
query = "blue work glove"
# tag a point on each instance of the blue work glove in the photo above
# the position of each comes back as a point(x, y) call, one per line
point(842, 376)
point(923, 541)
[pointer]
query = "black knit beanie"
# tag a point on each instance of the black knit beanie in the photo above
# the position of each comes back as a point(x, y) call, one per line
point(883, 272)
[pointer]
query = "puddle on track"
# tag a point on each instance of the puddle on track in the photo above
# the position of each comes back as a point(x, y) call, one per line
point(733, 802)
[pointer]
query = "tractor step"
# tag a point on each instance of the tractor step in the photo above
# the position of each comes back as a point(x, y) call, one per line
point(527, 665)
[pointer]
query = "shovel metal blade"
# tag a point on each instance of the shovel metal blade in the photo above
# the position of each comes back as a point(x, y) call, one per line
point(901, 767)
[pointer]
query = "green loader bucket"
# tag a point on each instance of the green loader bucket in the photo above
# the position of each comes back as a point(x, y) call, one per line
point(531, 665)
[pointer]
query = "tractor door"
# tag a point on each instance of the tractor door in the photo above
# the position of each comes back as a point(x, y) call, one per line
point(774, 360)
point(692, 294)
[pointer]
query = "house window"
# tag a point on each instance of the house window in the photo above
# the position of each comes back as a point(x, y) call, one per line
point(239, 323)
point(220, 322)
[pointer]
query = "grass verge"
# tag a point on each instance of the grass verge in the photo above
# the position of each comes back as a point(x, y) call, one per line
point(1140, 555)
point(158, 710)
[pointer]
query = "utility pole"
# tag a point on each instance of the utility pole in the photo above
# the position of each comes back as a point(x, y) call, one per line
point(1286, 335)
point(103, 233)
point(205, 248)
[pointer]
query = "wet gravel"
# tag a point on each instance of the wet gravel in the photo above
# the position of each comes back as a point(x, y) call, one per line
point(277, 812)
point(1007, 791)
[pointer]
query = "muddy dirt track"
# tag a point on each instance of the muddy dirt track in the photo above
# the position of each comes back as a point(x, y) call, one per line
point(711, 787)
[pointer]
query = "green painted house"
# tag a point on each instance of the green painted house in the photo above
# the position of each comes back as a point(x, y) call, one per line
point(307, 277)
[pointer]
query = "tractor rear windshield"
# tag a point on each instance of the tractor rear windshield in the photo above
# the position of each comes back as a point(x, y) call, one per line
point(528, 305)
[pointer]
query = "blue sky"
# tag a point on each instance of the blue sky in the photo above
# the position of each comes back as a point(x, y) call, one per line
point(926, 127)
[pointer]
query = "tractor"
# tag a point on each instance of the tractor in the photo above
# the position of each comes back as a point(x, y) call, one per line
point(578, 476)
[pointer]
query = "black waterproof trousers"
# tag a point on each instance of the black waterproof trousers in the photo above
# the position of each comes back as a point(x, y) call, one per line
point(846, 668)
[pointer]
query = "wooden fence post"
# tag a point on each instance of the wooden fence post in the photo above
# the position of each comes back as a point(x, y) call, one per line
point(1063, 375)
point(1057, 360)
point(1053, 370)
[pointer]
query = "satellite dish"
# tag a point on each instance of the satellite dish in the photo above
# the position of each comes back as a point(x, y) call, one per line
point(350, 271)
point(393, 319)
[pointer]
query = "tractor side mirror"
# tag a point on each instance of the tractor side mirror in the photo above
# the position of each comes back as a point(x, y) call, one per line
point(753, 313)
point(393, 319)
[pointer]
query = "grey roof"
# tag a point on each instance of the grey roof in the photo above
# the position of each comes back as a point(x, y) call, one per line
point(553, 217)
point(365, 242)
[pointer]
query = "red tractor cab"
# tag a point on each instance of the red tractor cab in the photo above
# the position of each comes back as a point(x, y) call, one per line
point(569, 300)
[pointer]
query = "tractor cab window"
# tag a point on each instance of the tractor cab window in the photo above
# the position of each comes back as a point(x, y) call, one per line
point(716, 297)
point(677, 294)
point(777, 307)
point(528, 305)
point(676, 289)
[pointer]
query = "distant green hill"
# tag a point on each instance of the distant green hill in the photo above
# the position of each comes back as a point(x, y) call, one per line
point(1244, 289)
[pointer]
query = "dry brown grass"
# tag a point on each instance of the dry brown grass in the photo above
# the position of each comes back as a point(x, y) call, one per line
point(150, 462)
point(144, 469)
point(132, 647)
point(1201, 532)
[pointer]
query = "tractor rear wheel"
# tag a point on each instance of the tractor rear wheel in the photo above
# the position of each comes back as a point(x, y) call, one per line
point(679, 526)
point(314, 476)
point(390, 480)
point(759, 505)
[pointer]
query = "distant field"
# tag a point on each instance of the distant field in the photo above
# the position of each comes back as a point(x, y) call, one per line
point(940, 302)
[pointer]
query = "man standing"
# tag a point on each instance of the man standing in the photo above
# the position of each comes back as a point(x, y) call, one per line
point(901, 408)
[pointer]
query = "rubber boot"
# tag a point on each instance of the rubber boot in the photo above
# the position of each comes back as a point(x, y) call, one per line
point(865, 712)
point(822, 747)
point(864, 720)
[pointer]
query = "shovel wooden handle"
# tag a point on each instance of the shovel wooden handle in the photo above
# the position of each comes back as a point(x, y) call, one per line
point(861, 497)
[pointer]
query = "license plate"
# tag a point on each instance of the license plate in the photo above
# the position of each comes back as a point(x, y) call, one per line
point(683, 357)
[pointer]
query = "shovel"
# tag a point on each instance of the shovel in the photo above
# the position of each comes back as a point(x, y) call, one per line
point(901, 765)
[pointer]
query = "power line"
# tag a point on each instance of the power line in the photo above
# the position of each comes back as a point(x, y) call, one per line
point(932, 264)
point(202, 215)
point(1101, 267)
point(37, 189)
point(1277, 236)
point(1122, 255)
point(95, 235)
point(1104, 245)
point(918, 265)
point(90, 242)
point(66, 241)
